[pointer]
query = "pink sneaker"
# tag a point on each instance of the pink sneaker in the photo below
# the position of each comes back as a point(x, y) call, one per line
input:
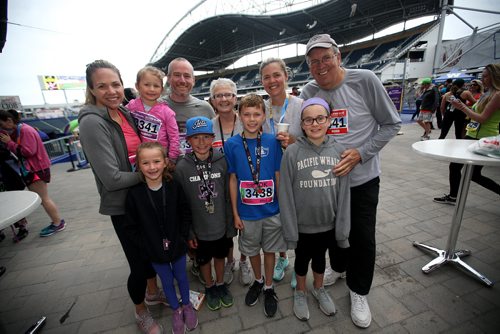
point(178, 326)
point(147, 324)
point(190, 317)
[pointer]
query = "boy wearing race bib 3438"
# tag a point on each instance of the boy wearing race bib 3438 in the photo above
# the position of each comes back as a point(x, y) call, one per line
point(253, 160)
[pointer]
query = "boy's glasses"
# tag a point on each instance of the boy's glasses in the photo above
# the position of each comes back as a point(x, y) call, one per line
point(310, 121)
point(226, 95)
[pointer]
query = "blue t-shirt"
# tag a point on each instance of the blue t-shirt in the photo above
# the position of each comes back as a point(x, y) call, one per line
point(255, 203)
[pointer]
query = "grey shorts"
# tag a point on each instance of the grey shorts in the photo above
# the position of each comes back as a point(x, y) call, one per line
point(265, 234)
point(425, 116)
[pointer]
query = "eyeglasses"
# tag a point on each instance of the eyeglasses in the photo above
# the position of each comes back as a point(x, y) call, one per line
point(310, 121)
point(226, 95)
point(474, 84)
point(325, 60)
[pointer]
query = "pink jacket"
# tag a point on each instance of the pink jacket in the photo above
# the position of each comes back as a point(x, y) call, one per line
point(158, 124)
point(32, 149)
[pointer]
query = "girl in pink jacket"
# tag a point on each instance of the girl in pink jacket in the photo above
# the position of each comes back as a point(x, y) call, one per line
point(155, 120)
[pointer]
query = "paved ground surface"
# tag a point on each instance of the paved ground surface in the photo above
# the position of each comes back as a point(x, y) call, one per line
point(85, 265)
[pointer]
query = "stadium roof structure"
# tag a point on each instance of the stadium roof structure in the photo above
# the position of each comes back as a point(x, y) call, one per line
point(216, 42)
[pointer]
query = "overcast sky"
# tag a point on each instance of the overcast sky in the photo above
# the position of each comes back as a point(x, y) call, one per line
point(59, 37)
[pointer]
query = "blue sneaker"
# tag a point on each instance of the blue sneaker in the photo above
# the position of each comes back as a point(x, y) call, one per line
point(293, 282)
point(51, 229)
point(279, 270)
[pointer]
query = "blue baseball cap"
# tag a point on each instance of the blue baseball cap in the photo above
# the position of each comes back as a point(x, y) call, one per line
point(199, 125)
point(315, 101)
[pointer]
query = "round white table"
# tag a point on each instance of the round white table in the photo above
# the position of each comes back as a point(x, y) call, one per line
point(15, 205)
point(454, 150)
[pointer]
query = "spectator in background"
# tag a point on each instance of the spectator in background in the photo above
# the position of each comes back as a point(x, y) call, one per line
point(130, 94)
point(485, 121)
point(180, 78)
point(295, 91)
point(418, 101)
point(25, 142)
point(429, 103)
point(450, 115)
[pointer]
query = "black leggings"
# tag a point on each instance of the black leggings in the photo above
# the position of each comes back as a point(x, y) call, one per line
point(312, 246)
point(140, 267)
point(450, 117)
point(456, 175)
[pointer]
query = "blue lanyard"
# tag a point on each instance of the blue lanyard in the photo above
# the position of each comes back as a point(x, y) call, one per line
point(282, 116)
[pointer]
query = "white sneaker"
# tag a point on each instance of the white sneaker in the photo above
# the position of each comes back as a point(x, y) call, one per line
point(245, 273)
point(331, 276)
point(360, 311)
point(228, 272)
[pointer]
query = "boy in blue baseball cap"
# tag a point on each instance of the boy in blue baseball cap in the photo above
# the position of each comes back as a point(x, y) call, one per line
point(203, 176)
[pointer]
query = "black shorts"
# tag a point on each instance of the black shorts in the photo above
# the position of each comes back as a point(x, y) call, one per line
point(32, 177)
point(212, 249)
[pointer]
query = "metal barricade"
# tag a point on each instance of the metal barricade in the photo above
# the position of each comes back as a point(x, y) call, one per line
point(64, 149)
point(56, 149)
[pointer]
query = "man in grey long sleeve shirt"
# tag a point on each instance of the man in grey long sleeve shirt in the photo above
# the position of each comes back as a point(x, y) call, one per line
point(364, 119)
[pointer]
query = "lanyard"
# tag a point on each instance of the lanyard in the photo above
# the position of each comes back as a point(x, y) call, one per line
point(282, 115)
point(164, 207)
point(222, 133)
point(255, 171)
point(205, 181)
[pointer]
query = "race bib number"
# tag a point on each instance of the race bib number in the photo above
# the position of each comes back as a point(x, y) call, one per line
point(473, 126)
point(339, 123)
point(185, 147)
point(253, 195)
point(147, 124)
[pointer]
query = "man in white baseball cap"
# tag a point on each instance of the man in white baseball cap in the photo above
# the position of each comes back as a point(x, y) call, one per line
point(364, 119)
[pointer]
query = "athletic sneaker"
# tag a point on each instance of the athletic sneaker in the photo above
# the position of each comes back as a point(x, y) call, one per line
point(270, 302)
point(360, 311)
point(279, 269)
point(147, 324)
point(293, 282)
point(190, 317)
point(51, 229)
point(446, 199)
point(331, 276)
point(325, 301)
point(213, 298)
point(226, 298)
point(245, 273)
point(21, 234)
point(300, 307)
point(228, 272)
point(157, 298)
point(195, 270)
point(253, 293)
point(178, 325)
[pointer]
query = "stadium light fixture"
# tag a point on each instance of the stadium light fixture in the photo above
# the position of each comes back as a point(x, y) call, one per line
point(282, 32)
point(235, 29)
point(203, 41)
